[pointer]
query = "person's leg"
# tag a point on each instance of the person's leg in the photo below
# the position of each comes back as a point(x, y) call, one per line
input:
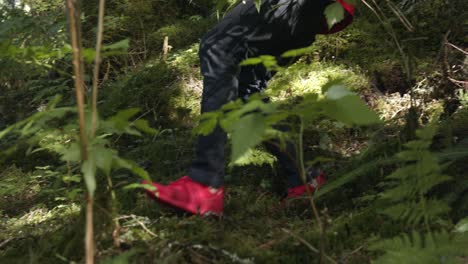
point(254, 79)
point(220, 55)
point(287, 160)
point(202, 191)
point(208, 166)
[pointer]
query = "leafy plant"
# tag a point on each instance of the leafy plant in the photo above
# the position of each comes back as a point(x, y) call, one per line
point(251, 123)
point(411, 183)
point(440, 247)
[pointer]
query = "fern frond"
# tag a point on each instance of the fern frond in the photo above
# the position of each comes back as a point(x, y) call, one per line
point(440, 247)
point(420, 174)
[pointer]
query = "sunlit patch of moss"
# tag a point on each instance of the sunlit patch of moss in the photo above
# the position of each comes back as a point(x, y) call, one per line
point(17, 190)
point(187, 104)
point(37, 221)
point(167, 91)
point(394, 107)
point(302, 77)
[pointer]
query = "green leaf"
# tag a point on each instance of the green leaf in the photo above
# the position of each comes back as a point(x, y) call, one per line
point(462, 226)
point(72, 153)
point(246, 133)
point(330, 84)
point(71, 178)
point(125, 114)
point(119, 122)
point(207, 123)
point(251, 61)
point(142, 125)
point(336, 92)
point(298, 52)
point(347, 107)
point(104, 157)
point(122, 45)
point(254, 157)
point(88, 54)
point(334, 14)
point(88, 168)
point(131, 166)
point(258, 4)
point(267, 60)
point(140, 186)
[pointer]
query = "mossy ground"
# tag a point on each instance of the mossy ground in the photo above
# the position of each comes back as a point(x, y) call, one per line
point(41, 223)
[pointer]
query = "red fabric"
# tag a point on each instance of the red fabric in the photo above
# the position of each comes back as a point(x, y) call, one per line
point(302, 189)
point(348, 19)
point(189, 196)
point(348, 7)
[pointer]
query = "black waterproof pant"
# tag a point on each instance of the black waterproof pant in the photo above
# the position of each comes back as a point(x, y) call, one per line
point(244, 32)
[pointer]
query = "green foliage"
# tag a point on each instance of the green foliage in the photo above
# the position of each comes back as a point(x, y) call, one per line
point(462, 226)
point(99, 153)
point(165, 91)
point(347, 108)
point(13, 182)
point(334, 14)
point(267, 60)
point(440, 247)
point(255, 157)
point(410, 184)
point(255, 121)
point(39, 195)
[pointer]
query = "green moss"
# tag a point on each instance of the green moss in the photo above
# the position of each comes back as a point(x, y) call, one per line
point(302, 77)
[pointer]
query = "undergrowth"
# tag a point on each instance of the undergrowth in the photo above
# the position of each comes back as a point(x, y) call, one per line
point(389, 198)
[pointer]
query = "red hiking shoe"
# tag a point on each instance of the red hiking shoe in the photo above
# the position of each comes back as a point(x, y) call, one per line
point(313, 184)
point(189, 195)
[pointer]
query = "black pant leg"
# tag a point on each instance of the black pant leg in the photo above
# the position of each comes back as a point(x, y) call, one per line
point(220, 55)
point(254, 79)
point(208, 166)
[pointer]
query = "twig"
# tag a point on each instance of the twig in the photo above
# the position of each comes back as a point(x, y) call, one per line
point(400, 16)
point(138, 221)
point(457, 82)
point(144, 226)
point(5, 242)
point(353, 252)
point(271, 243)
point(307, 244)
point(457, 48)
point(356, 250)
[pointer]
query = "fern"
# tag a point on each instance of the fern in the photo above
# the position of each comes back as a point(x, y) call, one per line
point(440, 247)
point(411, 183)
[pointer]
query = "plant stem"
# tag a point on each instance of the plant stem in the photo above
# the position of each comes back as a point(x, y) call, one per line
point(89, 236)
point(78, 76)
point(309, 193)
point(78, 70)
point(97, 63)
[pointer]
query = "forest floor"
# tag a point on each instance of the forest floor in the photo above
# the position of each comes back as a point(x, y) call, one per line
point(40, 224)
